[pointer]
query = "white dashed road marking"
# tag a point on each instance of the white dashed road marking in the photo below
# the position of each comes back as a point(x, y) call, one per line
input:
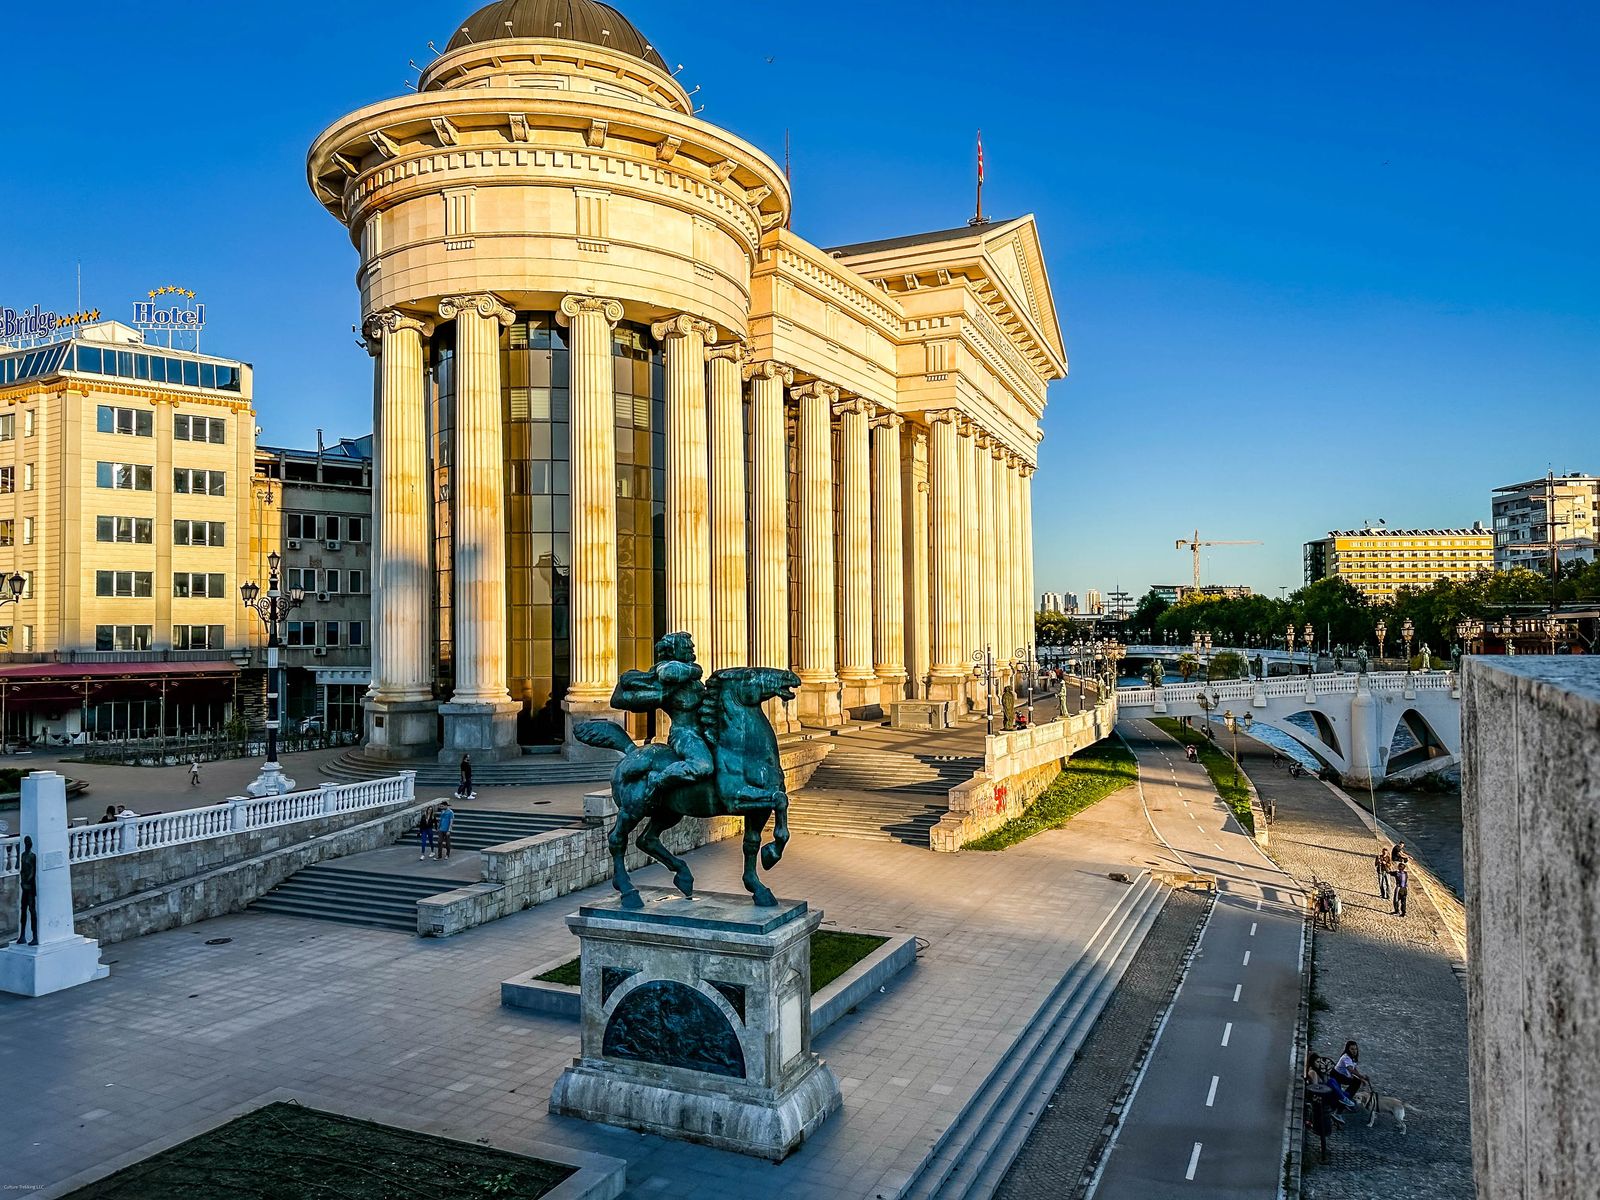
point(1211, 1096)
point(1252, 929)
point(1227, 1032)
point(1194, 1161)
point(1247, 958)
point(1236, 989)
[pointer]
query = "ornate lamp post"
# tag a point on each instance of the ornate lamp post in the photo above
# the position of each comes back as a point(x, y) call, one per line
point(273, 609)
point(983, 669)
point(1468, 630)
point(1288, 641)
point(15, 584)
point(1382, 631)
point(1308, 634)
point(1207, 702)
point(1552, 627)
point(1025, 654)
point(1233, 723)
point(1408, 631)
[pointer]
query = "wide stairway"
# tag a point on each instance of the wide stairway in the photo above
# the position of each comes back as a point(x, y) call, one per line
point(330, 891)
point(862, 792)
point(529, 769)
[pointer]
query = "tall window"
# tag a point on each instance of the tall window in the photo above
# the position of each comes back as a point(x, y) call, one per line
point(8, 479)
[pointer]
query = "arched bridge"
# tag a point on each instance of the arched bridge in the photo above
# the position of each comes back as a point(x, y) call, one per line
point(1248, 653)
point(1355, 716)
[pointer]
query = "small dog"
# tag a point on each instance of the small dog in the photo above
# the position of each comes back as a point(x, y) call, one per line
point(1375, 1103)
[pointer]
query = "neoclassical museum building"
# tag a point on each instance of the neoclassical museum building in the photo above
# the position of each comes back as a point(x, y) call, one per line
point(616, 396)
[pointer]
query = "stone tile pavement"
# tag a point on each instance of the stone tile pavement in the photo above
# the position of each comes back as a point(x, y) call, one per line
point(1387, 982)
point(183, 1029)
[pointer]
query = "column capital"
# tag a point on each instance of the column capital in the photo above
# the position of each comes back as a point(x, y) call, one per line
point(981, 440)
point(571, 306)
point(682, 325)
point(734, 352)
point(997, 452)
point(888, 420)
point(851, 406)
point(815, 390)
point(1026, 469)
point(768, 369)
point(381, 324)
point(485, 304)
point(943, 416)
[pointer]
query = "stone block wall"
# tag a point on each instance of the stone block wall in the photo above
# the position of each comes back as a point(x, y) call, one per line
point(1531, 837)
point(530, 871)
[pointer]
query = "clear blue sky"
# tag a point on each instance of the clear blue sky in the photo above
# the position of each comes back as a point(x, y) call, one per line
point(1315, 264)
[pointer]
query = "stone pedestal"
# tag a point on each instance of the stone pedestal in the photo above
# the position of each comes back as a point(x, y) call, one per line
point(402, 729)
point(579, 711)
point(697, 1023)
point(487, 730)
point(819, 706)
point(61, 959)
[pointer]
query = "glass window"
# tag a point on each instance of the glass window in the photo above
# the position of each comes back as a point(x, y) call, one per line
point(357, 529)
point(357, 583)
point(332, 581)
point(8, 427)
point(27, 531)
point(8, 479)
point(355, 633)
point(191, 373)
point(8, 532)
point(331, 633)
point(89, 359)
point(332, 525)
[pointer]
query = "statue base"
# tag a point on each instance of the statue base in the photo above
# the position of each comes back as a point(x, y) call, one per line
point(697, 1023)
point(398, 730)
point(818, 705)
point(51, 967)
point(486, 729)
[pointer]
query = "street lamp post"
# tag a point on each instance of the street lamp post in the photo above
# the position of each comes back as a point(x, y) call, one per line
point(273, 608)
point(983, 667)
point(15, 585)
point(1207, 702)
point(1382, 630)
point(1233, 723)
point(1288, 643)
point(1408, 631)
point(1025, 654)
point(1309, 634)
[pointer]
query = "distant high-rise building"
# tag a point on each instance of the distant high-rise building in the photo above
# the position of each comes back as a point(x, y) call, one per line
point(1051, 602)
point(1069, 602)
point(1559, 512)
point(1093, 604)
point(1379, 562)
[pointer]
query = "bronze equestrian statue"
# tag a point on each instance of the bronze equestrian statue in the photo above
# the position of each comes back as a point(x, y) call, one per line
point(720, 759)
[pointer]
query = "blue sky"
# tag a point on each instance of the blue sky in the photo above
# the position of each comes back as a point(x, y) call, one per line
point(1315, 264)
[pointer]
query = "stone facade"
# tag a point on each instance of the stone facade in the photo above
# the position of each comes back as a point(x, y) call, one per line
point(568, 269)
point(1531, 840)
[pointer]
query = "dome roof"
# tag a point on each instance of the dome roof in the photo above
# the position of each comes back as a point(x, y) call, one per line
point(578, 20)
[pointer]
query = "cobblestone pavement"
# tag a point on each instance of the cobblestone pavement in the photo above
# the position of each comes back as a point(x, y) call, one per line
point(1387, 983)
point(365, 1019)
point(1059, 1149)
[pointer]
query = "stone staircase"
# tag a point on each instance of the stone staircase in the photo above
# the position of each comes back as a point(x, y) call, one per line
point(478, 828)
point(329, 892)
point(863, 792)
point(528, 770)
point(971, 1158)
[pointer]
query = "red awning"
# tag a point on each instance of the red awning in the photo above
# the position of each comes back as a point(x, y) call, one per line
point(107, 671)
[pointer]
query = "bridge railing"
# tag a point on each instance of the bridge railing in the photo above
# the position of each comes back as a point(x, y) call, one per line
point(1233, 690)
point(132, 834)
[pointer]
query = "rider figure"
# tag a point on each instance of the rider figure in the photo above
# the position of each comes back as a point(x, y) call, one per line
point(673, 685)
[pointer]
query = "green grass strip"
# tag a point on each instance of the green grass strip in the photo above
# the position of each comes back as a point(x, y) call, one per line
point(1090, 776)
point(832, 954)
point(1219, 765)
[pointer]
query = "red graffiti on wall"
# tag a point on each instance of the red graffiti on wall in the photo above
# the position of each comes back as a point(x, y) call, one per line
point(1000, 798)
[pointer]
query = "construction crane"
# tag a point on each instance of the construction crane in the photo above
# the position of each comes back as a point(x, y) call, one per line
point(1195, 543)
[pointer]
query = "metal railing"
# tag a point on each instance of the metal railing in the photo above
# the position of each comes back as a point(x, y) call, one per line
point(129, 835)
point(206, 747)
point(1289, 685)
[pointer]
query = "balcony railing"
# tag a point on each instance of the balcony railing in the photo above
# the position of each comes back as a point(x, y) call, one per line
point(120, 656)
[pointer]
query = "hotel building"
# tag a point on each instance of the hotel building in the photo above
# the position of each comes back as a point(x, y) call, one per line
point(1379, 562)
point(617, 396)
point(125, 493)
point(1557, 516)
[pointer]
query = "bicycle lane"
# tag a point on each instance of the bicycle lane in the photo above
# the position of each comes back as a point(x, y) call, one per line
point(1207, 1115)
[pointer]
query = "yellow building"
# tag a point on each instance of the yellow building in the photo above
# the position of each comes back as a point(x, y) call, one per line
point(126, 505)
point(1379, 562)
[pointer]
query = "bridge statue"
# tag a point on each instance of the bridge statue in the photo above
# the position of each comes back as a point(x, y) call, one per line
point(720, 759)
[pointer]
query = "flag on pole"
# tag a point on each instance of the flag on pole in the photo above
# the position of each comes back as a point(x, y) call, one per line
point(978, 216)
point(980, 156)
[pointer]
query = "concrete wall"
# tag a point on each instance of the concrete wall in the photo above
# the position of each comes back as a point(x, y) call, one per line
point(1531, 817)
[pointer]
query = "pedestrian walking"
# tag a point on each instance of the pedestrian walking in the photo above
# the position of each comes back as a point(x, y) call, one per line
point(1402, 884)
point(464, 788)
point(194, 773)
point(425, 828)
point(447, 818)
point(1384, 865)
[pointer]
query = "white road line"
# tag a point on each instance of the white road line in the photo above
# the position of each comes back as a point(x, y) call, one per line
point(1236, 989)
point(1247, 958)
point(1211, 1096)
point(1258, 905)
point(1252, 929)
point(1218, 845)
point(1194, 1161)
point(1227, 1032)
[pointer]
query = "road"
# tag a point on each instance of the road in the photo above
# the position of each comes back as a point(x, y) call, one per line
point(1208, 1111)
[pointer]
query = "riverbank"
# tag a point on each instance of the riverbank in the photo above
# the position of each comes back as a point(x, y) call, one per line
point(1386, 982)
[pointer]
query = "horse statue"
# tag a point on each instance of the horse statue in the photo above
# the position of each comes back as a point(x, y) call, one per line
point(720, 759)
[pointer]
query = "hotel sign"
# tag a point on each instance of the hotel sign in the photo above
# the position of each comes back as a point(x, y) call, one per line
point(38, 324)
point(174, 316)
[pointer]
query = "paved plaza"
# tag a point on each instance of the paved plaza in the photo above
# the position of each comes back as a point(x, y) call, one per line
point(376, 1021)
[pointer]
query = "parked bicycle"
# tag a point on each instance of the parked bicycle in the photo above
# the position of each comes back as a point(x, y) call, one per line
point(1325, 905)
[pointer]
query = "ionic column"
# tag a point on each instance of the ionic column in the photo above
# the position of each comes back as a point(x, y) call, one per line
point(971, 539)
point(816, 665)
point(889, 566)
point(480, 718)
point(988, 585)
point(1030, 597)
point(949, 662)
point(730, 565)
point(688, 521)
point(402, 666)
point(855, 552)
point(769, 520)
point(592, 606)
point(914, 491)
point(1004, 614)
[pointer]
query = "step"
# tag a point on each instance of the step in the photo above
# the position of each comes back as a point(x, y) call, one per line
point(295, 908)
point(311, 889)
point(970, 1159)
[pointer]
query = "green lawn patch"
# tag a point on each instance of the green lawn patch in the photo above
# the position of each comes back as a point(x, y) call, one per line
point(1219, 765)
point(1090, 775)
point(287, 1152)
point(832, 954)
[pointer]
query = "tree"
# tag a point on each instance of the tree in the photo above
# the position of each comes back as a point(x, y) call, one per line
point(1227, 665)
point(1149, 610)
point(1188, 665)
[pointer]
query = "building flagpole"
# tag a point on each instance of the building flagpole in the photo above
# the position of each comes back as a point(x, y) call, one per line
point(978, 218)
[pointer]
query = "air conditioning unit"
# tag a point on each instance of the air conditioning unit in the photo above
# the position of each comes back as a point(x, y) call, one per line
point(292, 544)
point(333, 543)
point(322, 597)
point(321, 652)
